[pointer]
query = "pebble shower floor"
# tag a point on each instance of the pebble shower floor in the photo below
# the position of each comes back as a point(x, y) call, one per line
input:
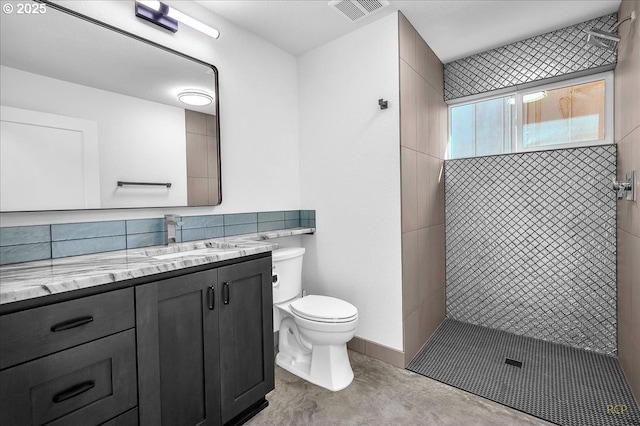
point(557, 383)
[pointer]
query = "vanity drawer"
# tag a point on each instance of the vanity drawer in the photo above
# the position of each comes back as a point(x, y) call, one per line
point(88, 384)
point(33, 333)
point(130, 418)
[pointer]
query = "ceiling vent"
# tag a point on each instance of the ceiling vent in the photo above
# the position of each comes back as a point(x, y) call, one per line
point(355, 10)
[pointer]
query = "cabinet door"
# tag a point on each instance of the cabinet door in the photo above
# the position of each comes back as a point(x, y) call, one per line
point(246, 335)
point(178, 351)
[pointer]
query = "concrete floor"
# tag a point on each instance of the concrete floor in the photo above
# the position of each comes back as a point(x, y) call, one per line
point(382, 395)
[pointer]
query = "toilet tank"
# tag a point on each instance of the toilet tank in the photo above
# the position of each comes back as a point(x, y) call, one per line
point(287, 273)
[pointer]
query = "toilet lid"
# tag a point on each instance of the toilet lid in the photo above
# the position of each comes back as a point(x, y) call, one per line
point(324, 309)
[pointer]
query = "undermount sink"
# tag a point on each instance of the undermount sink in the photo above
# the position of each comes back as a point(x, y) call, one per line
point(197, 252)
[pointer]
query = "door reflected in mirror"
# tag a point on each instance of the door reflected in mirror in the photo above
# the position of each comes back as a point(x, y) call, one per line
point(85, 106)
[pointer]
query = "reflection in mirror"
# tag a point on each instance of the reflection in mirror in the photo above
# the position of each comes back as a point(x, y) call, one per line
point(85, 106)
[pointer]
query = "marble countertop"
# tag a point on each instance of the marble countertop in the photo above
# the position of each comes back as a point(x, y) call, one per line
point(22, 281)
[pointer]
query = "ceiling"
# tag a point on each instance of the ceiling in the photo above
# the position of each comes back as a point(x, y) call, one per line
point(453, 29)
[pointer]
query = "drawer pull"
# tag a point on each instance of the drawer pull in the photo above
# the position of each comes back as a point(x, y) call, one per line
point(74, 391)
point(211, 296)
point(76, 322)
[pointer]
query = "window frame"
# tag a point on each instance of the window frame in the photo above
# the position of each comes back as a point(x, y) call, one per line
point(517, 126)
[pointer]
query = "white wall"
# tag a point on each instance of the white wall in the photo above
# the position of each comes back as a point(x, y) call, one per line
point(350, 173)
point(258, 114)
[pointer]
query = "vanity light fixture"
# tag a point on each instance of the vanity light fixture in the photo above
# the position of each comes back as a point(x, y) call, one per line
point(167, 17)
point(195, 97)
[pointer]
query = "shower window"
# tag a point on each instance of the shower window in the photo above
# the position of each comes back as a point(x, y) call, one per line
point(571, 113)
point(482, 128)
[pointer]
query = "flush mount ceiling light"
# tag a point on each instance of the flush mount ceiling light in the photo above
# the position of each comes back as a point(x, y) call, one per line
point(195, 97)
point(168, 18)
point(532, 97)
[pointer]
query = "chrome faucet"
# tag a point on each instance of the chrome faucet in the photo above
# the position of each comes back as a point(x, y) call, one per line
point(170, 224)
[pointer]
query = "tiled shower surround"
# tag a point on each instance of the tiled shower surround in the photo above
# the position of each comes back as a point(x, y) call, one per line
point(27, 243)
point(549, 55)
point(531, 244)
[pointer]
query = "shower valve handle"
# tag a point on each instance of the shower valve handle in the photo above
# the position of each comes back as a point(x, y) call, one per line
point(621, 188)
point(625, 188)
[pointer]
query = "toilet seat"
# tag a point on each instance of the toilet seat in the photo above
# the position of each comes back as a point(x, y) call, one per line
point(324, 309)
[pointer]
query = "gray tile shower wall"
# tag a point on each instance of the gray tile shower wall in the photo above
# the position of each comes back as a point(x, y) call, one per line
point(548, 55)
point(27, 243)
point(531, 244)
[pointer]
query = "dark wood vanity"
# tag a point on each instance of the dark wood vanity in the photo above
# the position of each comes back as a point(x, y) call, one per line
point(190, 347)
point(127, 338)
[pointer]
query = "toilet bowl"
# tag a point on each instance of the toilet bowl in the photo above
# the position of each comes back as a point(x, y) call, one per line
point(313, 330)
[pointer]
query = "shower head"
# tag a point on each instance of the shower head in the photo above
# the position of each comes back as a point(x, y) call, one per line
point(607, 39)
point(602, 39)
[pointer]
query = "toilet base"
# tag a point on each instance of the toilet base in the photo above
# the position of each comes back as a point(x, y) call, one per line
point(327, 366)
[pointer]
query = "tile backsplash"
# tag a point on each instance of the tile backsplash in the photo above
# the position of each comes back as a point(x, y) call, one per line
point(28, 243)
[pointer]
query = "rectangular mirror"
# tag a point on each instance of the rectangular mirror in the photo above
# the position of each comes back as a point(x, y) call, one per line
point(90, 118)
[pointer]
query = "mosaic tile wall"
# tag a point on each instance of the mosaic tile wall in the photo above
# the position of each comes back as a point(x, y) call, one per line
point(531, 244)
point(27, 243)
point(548, 55)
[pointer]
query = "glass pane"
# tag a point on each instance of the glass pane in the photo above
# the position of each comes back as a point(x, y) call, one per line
point(483, 128)
point(565, 115)
point(463, 131)
point(490, 127)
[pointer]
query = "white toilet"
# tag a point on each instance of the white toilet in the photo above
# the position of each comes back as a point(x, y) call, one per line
point(314, 330)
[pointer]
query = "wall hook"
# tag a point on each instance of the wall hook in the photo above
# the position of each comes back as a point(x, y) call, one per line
point(383, 104)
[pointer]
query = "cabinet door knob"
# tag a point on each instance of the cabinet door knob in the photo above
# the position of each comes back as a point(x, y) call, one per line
point(72, 323)
point(211, 297)
point(225, 293)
